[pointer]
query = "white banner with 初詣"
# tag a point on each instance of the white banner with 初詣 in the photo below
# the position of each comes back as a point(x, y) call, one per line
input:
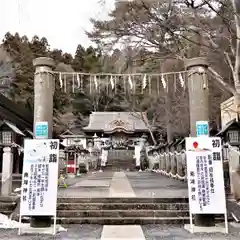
point(39, 177)
point(205, 175)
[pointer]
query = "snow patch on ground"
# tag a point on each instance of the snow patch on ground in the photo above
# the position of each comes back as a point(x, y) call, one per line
point(7, 223)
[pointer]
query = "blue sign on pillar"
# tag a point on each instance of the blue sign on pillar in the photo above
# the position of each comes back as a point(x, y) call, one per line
point(202, 128)
point(41, 130)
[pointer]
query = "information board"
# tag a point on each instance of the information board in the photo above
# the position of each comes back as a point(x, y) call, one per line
point(205, 176)
point(202, 128)
point(41, 130)
point(40, 177)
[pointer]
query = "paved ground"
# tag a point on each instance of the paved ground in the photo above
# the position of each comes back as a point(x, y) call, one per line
point(151, 232)
point(149, 184)
point(143, 184)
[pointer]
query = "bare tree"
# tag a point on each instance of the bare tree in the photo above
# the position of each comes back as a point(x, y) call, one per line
point(181, 29)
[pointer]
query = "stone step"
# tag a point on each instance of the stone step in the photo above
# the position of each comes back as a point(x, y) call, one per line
point(128, 220)
point(122, 206)
point(122, 200)
point(123, 220)
point(122, 213)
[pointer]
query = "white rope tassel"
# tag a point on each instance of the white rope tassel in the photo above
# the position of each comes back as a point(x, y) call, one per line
point(65, 83)
point(60, 80)
point(164, 82)
point(73, 83)
point(181, 80)
point(204, 81)
point(95, 81)
point(144, 82)
point(115, 84)
point(112, 82)
point(81, 83)
point(90, 83)
point(130, 82)
point(78, 81)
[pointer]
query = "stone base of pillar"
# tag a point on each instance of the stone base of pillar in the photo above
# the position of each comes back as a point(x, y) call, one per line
point(204, 220)
point(6, 188)
point(7, 166)
point(40, 221)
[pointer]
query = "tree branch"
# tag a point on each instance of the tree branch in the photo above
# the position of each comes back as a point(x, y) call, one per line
point(220, 80)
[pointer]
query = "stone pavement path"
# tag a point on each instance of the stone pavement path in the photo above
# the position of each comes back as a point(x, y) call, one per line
point(150, 184)
point(120, 186)
point(143, 184)
point(91, 185)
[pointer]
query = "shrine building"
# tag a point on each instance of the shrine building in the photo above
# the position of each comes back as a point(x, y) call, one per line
point(116, 132)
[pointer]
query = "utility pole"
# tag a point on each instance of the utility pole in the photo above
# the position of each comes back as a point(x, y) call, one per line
point(199, 111)
point(43, 112)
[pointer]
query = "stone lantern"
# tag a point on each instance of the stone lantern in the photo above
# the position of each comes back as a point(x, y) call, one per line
point(97, 141)
point(230, 133)
point(143, 140)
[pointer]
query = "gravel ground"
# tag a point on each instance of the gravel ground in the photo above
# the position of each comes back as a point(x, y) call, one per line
point(151, 232)
point(78, 232)
point(175, 232)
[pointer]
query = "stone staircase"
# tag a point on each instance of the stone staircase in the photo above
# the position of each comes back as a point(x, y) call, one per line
point(116, 164)
point(113, 211)
point(118, 211)
point(124, 211)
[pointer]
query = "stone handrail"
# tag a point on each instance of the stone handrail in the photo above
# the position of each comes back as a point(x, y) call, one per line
point(172, 164)
point(234, 170)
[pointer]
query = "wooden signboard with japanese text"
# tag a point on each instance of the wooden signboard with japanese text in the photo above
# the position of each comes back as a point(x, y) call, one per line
point(39, 178)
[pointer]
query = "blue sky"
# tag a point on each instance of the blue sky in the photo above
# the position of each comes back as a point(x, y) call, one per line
point(62, 22)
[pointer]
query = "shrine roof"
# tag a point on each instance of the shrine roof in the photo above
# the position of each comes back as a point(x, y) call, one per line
point(116, 121)
point(13, 127)
point(229, 124)
point(15, 114)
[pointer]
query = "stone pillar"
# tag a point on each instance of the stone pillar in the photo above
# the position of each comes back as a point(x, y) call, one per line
point(7, 167)
point(43, 92)
point(163, 161)
point(184, 160)
point(143, 156)
point(173, 161)
point(168, 160)
point(198, 106)
point(198, 91)
point(143, 140)
point(180, 163)
point(234, 172)
point(43, 110)
point(97, 145)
